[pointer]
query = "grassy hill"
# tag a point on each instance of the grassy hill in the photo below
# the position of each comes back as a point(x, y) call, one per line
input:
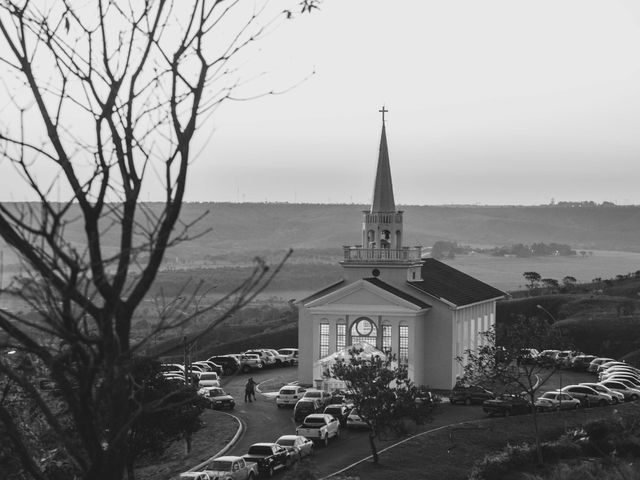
point(235, 231)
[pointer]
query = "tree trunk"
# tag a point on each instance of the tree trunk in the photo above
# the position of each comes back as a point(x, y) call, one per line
point(534, 414)
point(374, 451)
point(187, 445)
point(131, 475)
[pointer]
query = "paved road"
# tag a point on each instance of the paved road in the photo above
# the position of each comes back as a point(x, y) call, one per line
point(265, 422)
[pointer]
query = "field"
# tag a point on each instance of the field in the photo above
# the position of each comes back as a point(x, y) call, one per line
point(506, 273)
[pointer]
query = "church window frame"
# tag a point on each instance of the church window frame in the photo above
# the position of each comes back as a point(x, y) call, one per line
point(359, 334)
point(341, 336)
point(403, 345)
point(324, 339)
point(387, 344)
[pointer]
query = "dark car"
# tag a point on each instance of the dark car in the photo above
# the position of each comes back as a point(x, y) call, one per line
point(339, 411)
point(229, 364)
point(304, 407)
point(507, 404)
point(469, 394)
point(217, 398)
point(269, 457)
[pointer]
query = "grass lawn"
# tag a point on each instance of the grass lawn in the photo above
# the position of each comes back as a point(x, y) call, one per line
point(450, 453)
point(217, 431)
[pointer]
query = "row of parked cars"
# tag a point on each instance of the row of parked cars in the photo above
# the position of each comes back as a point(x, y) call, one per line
point(208, 372)
point(264, 459)
point(617, 382)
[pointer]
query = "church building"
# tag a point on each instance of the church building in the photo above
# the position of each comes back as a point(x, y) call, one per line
point(422, 310)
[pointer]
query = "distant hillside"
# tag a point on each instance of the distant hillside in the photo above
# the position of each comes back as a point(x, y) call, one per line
point(238, 230)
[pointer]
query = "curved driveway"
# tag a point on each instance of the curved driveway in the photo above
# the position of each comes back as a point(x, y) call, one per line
point(265, 422)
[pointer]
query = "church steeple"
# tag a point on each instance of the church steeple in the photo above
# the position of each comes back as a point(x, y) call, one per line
point(383, 188)
point(382, 225)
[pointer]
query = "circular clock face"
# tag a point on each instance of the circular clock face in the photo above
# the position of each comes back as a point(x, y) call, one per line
point(375, 272)
point(364, 327)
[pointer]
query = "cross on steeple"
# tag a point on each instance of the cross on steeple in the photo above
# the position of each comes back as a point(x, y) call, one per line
point(383, 111)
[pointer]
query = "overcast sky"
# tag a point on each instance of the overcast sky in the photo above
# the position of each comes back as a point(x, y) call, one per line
point(490, 102)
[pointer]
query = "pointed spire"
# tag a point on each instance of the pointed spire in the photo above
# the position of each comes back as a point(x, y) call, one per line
point(383, 189)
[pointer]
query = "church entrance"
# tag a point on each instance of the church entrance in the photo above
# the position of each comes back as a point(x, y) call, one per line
point(364, 330)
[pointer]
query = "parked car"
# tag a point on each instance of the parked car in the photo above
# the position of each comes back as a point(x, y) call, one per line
point(306, 406)
point(320, 395)
point(606, 365)
point(616, 397)
point(267, 360)
point(213, 366)
point(297, 445)
point(593, 366)
point(581, 362)
point(217, 398)
point(630, 393)
point(469, 394)
point(291, 354)
point(280, 360)
point(319, 427)
point(177, 369)
point(209, 379)
point(289, 395)
point(194, 476)
point(251, 361)
point(340, 411)
point(229, 364)
point(270, 457)
point(554, 401)
point(547, 357)
point(528, 355)
point(622, 376)
point(561, 358)
point(231, 468)
point(620, 368)
point(354, 420)
point(587, 395)
point(507, 404)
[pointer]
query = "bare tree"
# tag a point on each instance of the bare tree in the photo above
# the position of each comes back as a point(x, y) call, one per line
point(108, 96)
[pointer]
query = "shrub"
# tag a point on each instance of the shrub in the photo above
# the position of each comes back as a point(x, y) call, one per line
point(590, 470)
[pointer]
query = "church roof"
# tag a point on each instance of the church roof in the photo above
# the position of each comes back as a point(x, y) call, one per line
point(445, 282)
point(398, 293)
point(383, 189)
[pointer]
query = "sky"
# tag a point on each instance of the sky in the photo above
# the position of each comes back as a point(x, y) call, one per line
point(490, 102)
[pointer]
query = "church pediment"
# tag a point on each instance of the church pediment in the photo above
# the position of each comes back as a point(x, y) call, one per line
point(364, 295)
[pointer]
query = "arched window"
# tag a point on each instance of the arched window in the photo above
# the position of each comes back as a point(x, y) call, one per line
point(385, 239)
point(403, 345)
point(364, 330)
point(398, 239)
point(371, 239)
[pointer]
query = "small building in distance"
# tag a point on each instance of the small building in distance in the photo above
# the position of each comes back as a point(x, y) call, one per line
point(422, 310)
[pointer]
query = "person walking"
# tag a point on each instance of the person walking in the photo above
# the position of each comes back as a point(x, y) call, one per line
point(247, 391)
point(250, 390)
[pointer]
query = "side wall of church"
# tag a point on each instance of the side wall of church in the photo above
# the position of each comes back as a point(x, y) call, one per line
point(469, 323)
point(437, 347)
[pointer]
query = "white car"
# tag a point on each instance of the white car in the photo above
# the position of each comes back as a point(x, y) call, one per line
point(267, 360)
point(251, 361)
point(280, 359)
point(298, 446)
point(630, 393)
point(289, 395)
point(209, 379)
point(195, 476)
point(595, 363)
point(587, 395)
point(553, 401)
point(291, 354)
point(598, 387)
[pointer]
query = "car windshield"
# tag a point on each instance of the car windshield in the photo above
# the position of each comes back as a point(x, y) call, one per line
point(333, 410)
point(551, 396)
point(260, 450)
point(287, 391)
point(220, 465)
point(313, 394)
point(286, 442)
point(209, 376)
point(314, 421)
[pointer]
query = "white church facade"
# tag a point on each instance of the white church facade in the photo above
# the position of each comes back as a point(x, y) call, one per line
point(422, 310)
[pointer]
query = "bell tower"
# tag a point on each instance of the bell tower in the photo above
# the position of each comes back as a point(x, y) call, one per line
point(382, 224)
point(382, 252)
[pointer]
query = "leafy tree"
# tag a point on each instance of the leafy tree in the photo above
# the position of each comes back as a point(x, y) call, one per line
point(569, 282)
point(533, 278)
point(506, 362)
point(381, 393)
point(108, 96)
point(551, 284)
